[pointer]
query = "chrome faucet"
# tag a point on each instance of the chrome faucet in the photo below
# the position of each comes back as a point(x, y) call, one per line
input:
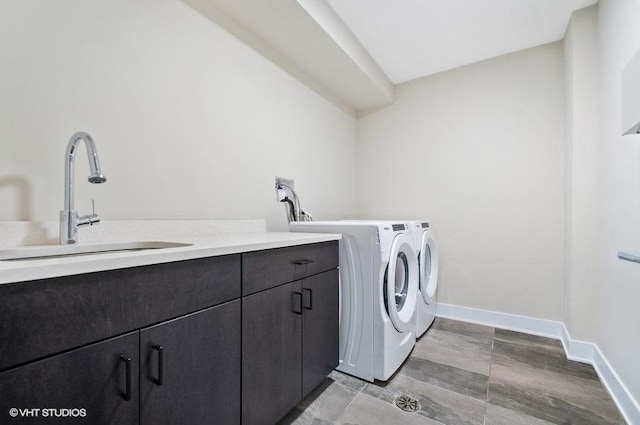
point(69, 219)
point(294, 210)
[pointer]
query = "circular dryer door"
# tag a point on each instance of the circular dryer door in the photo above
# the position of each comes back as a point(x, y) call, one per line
point(401, 284)
point(428, 267)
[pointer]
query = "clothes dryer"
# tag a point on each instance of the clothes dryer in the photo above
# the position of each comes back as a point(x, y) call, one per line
point(378, 294)
point(425, 246)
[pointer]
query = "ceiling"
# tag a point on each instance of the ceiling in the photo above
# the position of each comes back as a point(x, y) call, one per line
point(353, 52)
point(414, 38)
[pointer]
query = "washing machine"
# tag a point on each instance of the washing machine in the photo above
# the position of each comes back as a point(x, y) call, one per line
point(378, 294)
point(425, 246)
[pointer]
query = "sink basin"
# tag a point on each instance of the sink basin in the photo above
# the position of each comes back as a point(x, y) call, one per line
point(51, 251)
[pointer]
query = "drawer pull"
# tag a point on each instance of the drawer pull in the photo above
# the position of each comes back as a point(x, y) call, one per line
point(127, 391)
point(297, 302)
point(302, 262)
point(159, 379)
point(308, 306)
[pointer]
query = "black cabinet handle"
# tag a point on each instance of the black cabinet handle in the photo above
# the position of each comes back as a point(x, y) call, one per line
point(308, 306)
point(302, 262)
point(159, 379)
point(127, 391)
point(297, 302)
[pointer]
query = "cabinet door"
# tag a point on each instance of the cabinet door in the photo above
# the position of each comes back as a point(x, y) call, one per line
point(320, 328)
point(93, 385)
point(190, 369)
point(271, 353)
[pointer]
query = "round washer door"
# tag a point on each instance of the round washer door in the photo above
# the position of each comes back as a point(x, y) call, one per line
point(428, 267)
point(401, 284)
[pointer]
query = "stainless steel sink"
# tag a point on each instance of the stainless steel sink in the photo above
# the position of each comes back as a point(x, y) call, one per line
point(52, 251)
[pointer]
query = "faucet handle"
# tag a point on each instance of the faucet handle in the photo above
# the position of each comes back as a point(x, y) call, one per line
point(89, 219)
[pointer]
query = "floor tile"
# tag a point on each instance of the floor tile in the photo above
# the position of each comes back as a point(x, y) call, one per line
point(463, 328)
point(467, 374)
point(300, 417)
point(383, 391)
point(457, 350)
point(451, 378)
point(497, 415)
point(548, 395)
point(348, 381)
point(436, 403)
point(543, 358)
point(368, 410)
point(328, 400)
point(527, 340)
point(550, 407)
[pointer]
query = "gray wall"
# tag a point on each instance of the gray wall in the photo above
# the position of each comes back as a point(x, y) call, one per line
point(479, 151)
point(189, 122)
point(581, 95)
point(617, 315)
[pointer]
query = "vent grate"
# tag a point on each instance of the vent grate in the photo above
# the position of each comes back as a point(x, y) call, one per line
point(407, 403)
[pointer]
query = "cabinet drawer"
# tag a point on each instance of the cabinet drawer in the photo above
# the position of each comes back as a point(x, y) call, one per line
point(48, 316)
point(265, 269)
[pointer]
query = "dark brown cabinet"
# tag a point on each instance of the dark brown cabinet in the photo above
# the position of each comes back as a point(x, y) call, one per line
point(97, 385)
point(229, 339)
point(190, 369)
point(289, 331)
point(188, 372)
point(319, 328)
point(189, 308)
point(265, 269)
point(45, 317)
point(271, 354)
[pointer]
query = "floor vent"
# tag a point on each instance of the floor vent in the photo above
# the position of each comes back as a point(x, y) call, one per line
point(408, 404)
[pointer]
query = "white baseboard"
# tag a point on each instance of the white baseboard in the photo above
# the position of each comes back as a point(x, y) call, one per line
point(618, 390)
point(512, 322)
point(582, 351)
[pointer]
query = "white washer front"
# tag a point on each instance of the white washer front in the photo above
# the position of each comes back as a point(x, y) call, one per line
point(400, 288)
point(428, 265)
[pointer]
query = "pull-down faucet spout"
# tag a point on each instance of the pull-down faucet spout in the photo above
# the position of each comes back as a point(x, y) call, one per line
point(69, 220)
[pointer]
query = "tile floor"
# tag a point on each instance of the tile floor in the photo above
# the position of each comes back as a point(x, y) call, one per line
point(468, 374)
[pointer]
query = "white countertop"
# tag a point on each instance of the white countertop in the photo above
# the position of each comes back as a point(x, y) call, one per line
point(202, 246)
